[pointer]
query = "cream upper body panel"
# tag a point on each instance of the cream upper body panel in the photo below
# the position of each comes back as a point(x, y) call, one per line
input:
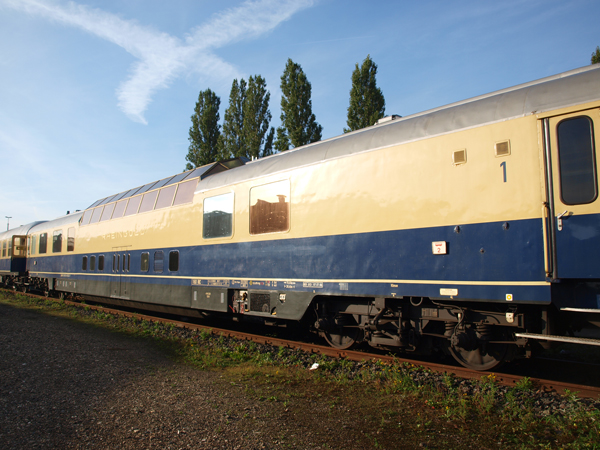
point(414, 185)
point(177, 226)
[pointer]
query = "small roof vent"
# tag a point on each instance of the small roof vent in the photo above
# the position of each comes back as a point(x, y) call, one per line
point(387, 119)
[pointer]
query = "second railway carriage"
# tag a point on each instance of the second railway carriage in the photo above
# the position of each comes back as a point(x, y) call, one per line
point(13, 256)
point(472, 228)
point(51, 252)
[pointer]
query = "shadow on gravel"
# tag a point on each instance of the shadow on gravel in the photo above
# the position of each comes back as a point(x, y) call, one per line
point(54, 372)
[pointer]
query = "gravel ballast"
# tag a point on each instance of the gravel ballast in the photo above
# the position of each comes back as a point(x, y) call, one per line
point(65, 384)
point(70, 384)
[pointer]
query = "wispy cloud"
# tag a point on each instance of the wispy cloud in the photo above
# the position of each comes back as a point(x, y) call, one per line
point(161, 58)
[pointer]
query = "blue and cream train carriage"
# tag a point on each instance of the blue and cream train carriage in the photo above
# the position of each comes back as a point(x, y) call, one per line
point(473, 228)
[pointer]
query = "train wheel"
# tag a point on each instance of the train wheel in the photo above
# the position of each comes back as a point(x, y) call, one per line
point(488, 357)
point(343, 338)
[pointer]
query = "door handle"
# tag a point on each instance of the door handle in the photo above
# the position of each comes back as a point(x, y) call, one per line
point(559, 222)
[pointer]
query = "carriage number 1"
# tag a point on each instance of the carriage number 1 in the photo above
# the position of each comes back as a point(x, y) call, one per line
point(503, 165)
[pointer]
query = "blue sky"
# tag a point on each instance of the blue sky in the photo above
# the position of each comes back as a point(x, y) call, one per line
point(96, 96)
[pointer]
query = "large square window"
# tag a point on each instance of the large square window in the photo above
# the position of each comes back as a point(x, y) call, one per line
point(270, 208)
point(218, 216)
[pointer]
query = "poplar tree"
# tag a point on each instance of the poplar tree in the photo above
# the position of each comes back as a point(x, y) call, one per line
point(256, 117)
point(231, 144)
point(596, 56)
point(298, 123)
point(247, 120)
point(268, 149)
point(367, 104)
point(205, 131)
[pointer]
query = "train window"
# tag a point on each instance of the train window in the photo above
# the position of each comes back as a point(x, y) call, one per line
point(10, 248)
point(85, 219)
point(270, 208)
point(148, 201)
point(145, 265)
point(165, 197)
point(218, 216)
point(185, 192)
point(159, 261)
point(101, 263)
point(119, 208)
point(133, 205)
point(43, 243)
point(114, 266)
point(57, 241)
point(84, 263)
point(97, 214)
point(19, 246)
point(577, 161)
point(34, 244)
point(71, 239)
point(174, 261)
point(92, 263)
point(4, 249)
point(107, 213)
point(128, 262)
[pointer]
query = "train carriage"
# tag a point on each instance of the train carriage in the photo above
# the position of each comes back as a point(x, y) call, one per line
point(13, 256)
point(51, 252)
point(471, 228)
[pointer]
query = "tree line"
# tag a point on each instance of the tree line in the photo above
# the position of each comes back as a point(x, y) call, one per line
point(246, 130)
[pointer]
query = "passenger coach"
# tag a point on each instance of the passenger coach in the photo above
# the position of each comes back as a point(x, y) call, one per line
point(473, 228)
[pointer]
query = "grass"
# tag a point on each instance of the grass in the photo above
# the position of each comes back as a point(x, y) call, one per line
point(391, 404)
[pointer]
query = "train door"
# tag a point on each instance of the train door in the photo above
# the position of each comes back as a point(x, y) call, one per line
point(19, 253)
point(121, 265)
point(571, 146)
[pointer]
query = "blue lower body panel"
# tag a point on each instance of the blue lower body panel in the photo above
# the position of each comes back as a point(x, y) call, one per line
point(492, 261)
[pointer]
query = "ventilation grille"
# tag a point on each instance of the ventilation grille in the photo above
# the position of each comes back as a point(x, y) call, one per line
point(502, 148)
point(459, 157)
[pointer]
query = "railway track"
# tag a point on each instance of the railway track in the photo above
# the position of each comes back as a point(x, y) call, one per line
point(505, 379)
